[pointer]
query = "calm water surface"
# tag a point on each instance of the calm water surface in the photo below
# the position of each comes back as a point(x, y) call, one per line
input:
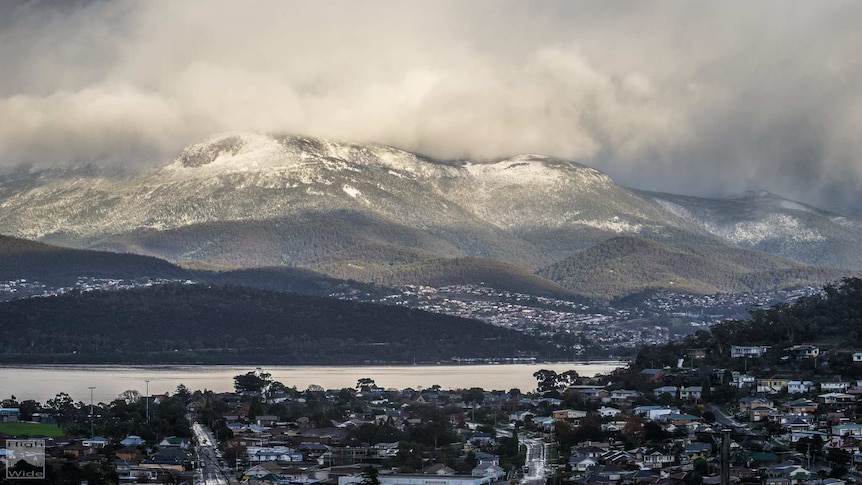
point(44, 382)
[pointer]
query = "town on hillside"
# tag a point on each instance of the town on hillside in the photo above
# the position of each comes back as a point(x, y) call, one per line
point(679, 425)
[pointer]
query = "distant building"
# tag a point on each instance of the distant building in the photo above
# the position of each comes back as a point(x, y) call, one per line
point(738, 351)
point(772, 385)
point(804, 351)
point(690, 393)
point(9, 415)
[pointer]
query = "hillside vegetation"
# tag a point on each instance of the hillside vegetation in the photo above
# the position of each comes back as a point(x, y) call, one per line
point(21, 258)
point(217, 324)
point(832, 320)
point(445, 272)
point(625, 265)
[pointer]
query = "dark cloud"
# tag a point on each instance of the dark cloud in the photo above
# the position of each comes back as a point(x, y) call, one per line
point(699, 98)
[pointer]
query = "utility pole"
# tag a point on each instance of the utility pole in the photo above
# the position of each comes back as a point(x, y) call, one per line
point(147, 397)
point(725, 456)
point(91, 409)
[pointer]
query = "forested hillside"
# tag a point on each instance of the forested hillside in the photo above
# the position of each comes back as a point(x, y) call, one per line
point(625, 265)
point(217, 324)
point(831, 320)
point(21, 258)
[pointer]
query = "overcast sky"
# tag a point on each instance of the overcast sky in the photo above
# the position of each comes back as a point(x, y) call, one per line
point(702, 98)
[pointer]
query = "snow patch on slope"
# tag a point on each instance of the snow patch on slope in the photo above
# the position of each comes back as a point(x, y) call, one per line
point(351, 191)
point(615, 224)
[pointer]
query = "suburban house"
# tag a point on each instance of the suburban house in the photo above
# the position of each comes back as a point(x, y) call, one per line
point(801, 406)
point(489, 470)
point(655, 458)
point(857, 356)
point(836, 398)
point(653, 412)
point(132, 440)
point(624, 395)
point(653, 374)
point(670, 390)
point(697, 449)
point(800, 387)
point(849, 429)
point(582, 463)
point(95, 442)
point(788, 473)
point(759, 413)
point(570, 415)
point(681, 419)
point(738, 351)
point(748, 403)
point(772, 385)
point(174, 442)
point(834, 386)
point(690, 393)
point(608, 412)
point(438, 469)
point(804, 351)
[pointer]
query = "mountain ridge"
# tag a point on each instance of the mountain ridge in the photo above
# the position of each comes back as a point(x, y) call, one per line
point(251, 200)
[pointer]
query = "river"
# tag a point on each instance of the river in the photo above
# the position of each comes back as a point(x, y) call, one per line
point(43, 382)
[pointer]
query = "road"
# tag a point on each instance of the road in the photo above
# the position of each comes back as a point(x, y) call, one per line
point(536, 462)
point(210, 471)
point(725, 420)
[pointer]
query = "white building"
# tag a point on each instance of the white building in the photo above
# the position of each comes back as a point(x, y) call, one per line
point(738, 351)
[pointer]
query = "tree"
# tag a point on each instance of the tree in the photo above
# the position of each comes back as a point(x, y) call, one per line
point(568, 378)
point(546, 380)
point(255, 409)
point(130, 396)
point(62, 408)
point(474, 395)
point(251, 382)
point(27, 408)
point(370, 476)
point(364, 384)
point(183, 394)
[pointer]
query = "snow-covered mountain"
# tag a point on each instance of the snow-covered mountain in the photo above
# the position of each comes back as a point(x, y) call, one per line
point(258, 200)
point(767, 222)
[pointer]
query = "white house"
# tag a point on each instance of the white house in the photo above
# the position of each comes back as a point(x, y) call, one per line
point(738, 351)
point(582, 463)
point(259, 454)
point(848, 429)
point(653, 412)
point(800, 387)
point(671, 390)
point(857, 356)
point(805, 351)
point(608, 412)
point(623, 395)
point(836, 398)
point(690, 393)
point(656, 458)
point(95, 442)
point(834, 386)
point(489, 470)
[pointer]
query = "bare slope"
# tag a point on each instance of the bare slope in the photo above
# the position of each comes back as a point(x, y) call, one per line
point(626, 265)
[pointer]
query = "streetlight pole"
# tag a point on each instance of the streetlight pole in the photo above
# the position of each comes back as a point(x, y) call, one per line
point(91, 409)
point(147, 397)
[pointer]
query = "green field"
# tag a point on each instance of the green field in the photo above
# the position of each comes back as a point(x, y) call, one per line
point(30, 429)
